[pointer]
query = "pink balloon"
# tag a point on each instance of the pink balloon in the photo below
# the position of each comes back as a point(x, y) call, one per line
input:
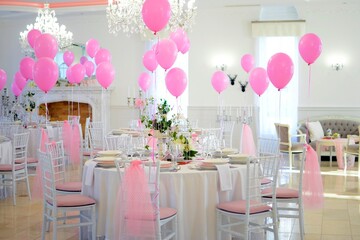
point(144, 81)
point(26, 67)
point(77, 73)
point(149, 60)
point(176, 81)
point(259, 80)
point(310, 47)
point(186, 47)
point(179, 37)
point(247, 62)
point(156, 14)
point(20, 80)
point(92, 46)
point(46, 73)
point(220, 81)
point(105, 74)
point(32, 35)
point(89, 68)
point(83, 60)
point(166, 53)
point(3, 78)
point(280, 69)
point(69, 75)
point(103, 55)
point(45, 46)
point(15, 89)
point(68, 58)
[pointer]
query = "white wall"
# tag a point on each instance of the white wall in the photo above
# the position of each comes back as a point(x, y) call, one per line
point(220, 36)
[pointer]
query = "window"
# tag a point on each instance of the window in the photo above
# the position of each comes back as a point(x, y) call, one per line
point(278, 106)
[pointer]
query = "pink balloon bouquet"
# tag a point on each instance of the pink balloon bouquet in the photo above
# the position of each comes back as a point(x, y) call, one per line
point(105, 74)
point(220, 81)
point(247, 62)
point(46, 46)
point(26, 67)
point(166, 53)
point(83, 60)
point(3, 78)
point(176, 81)
point(20, 80)
point(259, 80)
point(149, 60)
point(310, 47)
point(46, 73)
point(144, 81)
point(68, 58)
point(156, 14)
point(91, 47)
point(280, 69)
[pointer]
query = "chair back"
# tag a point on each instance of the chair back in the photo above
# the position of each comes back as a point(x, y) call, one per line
point(55, 154)
point(152, 170)
point(96, 137)
point(48, 178)
point(258, 169)
point(268, 146)
point(118, 142)
point(283, 133)
point(20, 146)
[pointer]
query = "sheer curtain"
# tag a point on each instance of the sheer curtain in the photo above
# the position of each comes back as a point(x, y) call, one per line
point(158, 88)
point(278, 106)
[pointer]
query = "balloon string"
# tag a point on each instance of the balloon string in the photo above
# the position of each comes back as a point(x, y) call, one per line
point(309, 90)
point(46, 110)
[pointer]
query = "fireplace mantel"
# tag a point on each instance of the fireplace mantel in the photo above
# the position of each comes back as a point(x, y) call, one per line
point(96, 96)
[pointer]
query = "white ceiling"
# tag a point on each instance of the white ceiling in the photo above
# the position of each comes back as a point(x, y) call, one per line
point(18, 11)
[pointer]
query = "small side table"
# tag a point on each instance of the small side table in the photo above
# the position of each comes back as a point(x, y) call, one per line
point(328, 143)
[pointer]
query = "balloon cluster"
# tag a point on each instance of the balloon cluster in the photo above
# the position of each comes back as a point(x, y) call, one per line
point(45, 72)
point(280, 67)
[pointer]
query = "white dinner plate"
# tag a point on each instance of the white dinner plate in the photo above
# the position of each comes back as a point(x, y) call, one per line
point(109, 153)
point(238, 158)
point(104, 159)
point(214, 161)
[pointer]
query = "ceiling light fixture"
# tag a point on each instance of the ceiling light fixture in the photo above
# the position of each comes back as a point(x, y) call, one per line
point(125, 15)
point(46, 22)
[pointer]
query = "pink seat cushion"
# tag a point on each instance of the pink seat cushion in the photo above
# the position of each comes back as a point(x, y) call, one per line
point(240, 207)
point(86, 153)
point(167, 212)
point(69, 186)
point(283, 193)
point(8, 167)
point(29, 160)
point(74, 200)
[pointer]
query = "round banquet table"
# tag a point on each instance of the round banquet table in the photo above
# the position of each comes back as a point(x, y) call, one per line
point(194, 193)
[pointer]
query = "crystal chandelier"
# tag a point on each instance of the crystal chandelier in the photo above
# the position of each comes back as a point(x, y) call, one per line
point(125, 15)
point(46, 22)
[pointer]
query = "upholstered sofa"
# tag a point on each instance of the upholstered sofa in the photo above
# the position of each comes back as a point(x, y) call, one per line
point(341, 125)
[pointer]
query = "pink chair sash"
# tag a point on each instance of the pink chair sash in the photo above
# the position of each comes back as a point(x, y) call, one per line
point(37, 192)
point(247, 141)
point(313, 193)
point(72, 142)
point(134, 212)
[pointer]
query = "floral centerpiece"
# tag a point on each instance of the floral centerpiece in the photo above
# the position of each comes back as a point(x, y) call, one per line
point(168, 127)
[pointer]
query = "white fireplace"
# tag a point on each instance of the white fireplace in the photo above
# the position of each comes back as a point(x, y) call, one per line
point(97, 97)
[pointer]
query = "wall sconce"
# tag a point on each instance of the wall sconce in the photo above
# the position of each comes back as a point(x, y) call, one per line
point(337, 66)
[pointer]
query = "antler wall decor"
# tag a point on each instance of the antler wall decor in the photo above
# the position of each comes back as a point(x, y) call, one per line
point(232, 78)
point(243, 86)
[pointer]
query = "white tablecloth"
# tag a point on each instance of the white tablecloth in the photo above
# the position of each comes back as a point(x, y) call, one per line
point(5, 152)
point(192, 192)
